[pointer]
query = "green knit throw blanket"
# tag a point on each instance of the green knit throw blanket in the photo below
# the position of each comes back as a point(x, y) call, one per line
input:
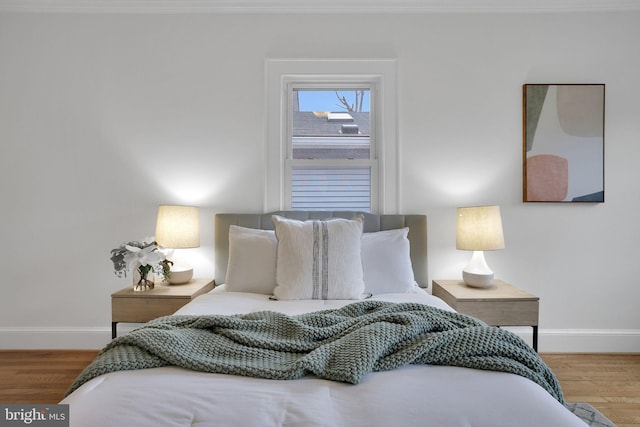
point(341, 345)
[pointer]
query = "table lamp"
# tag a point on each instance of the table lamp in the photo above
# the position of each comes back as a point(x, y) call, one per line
point(178, 227)
point(478, 229)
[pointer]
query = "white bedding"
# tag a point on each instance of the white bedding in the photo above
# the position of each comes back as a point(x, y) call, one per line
point(410, 396)
point(219, 301)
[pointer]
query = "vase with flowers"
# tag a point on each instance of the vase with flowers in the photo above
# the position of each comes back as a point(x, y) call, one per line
point(143, 258)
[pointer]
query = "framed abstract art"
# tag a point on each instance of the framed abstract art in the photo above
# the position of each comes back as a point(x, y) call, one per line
point(563, 142)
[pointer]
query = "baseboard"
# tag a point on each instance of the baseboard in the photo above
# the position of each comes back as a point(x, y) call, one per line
point(591, 340)
point(29, 338)
point(549, 340)
point(583, 340)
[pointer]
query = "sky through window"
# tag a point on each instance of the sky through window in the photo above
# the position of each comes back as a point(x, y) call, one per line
point(326, 100)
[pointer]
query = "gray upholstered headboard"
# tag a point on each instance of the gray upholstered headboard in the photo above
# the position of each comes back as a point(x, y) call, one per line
point(417, 234)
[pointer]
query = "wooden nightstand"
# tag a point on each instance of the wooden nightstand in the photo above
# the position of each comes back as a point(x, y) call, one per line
point(139, 307)
point(501, 304)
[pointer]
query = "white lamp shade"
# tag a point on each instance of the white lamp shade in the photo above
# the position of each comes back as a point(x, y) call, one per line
point(178, 227)
point(479, 228)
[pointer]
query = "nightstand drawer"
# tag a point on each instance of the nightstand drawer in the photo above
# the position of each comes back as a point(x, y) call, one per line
point(139, 307)
point(135, 310)
point(501, 313)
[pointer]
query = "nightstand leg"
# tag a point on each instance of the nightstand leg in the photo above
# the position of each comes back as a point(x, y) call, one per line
point(114, 329)
point(535, 337)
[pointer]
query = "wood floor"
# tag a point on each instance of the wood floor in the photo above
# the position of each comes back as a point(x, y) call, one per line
point(609, 382)
point(40, 376)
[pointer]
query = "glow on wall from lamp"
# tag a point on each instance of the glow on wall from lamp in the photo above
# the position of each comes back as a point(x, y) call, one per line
point(187, 176)
point(195, 183)
point(461, 183)
point(189, 188)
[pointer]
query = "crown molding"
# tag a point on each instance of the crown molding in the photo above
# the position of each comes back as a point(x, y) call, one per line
point(315, 6)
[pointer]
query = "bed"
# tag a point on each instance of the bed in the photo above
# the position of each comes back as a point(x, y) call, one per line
point(399, 391)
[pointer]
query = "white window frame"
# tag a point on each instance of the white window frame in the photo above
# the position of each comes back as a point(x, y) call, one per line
point(379, 75)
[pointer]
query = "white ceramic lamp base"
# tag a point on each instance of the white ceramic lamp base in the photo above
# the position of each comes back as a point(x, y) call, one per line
point(477, 273)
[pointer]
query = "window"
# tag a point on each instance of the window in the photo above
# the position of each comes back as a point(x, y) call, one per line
point(331, 135)
point(331, 161)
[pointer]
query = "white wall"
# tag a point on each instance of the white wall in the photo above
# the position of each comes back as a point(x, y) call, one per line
point(105, 116)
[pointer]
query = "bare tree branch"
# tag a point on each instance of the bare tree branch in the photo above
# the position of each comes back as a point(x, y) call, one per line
point(357, 106)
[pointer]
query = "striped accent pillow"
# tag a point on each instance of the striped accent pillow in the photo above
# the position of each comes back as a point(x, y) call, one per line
point(318, 259)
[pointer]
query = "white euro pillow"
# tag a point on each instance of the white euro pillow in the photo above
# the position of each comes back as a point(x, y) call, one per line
point(252, 260)
point(386, 262)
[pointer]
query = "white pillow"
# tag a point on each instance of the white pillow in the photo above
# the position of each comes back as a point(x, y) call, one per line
point(386, 262)
point(319, 259)
point(252, 260)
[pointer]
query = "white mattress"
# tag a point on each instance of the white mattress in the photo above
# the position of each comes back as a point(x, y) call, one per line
point(410, 396)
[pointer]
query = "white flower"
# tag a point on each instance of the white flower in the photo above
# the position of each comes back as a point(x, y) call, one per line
point(146, 256)
point(166, 252)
